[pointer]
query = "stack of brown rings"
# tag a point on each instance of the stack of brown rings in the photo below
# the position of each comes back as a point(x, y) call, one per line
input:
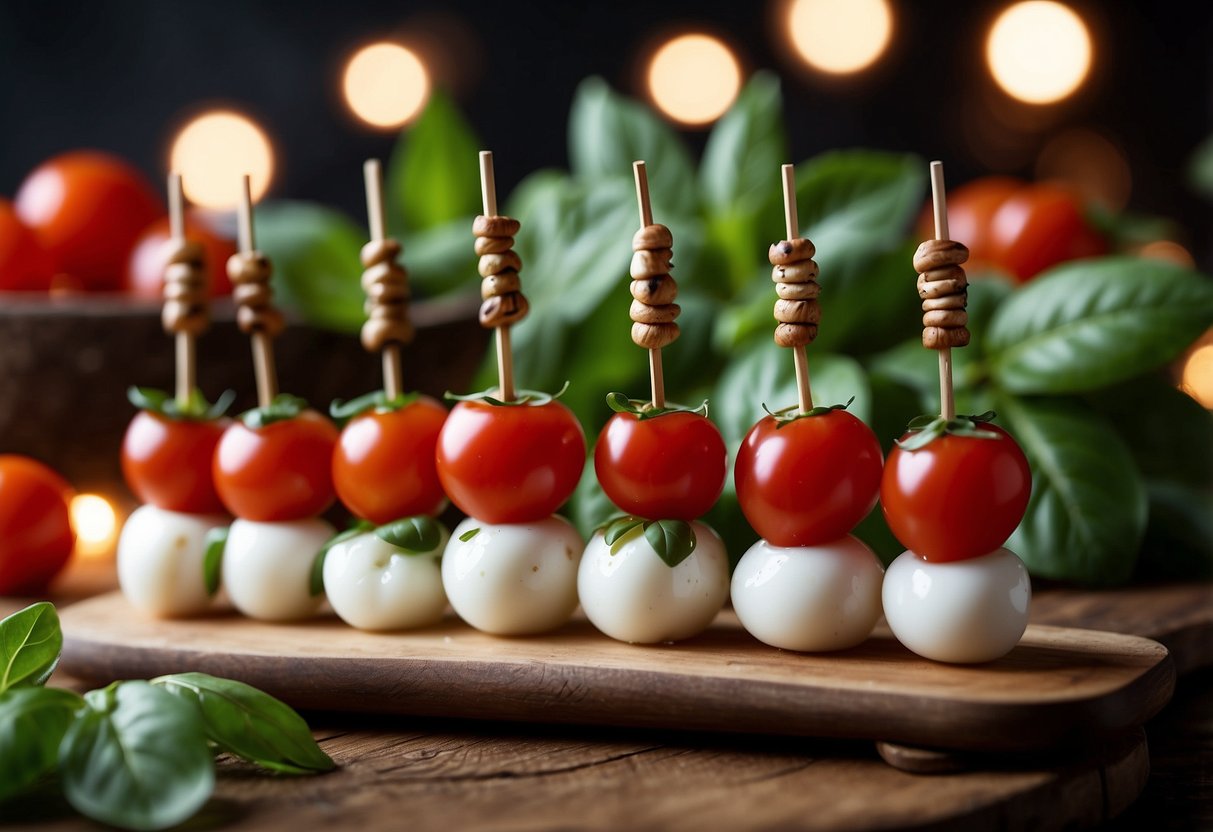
point(943, 287)
point(250, 276)
point(795, 276)
point(501, 288)
point(386, 284)
point(653, 290)
point(185, 289)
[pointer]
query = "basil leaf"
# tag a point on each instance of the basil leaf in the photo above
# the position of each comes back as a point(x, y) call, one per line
point(1091, 323)
point(249, 723)
point(1087, 513)
point(619, 528)
point(469, 534)
point(415, 535)
point(672, 540)
point(30, 644)
point(589, 507)
point(136, 757)
point(197, 409)
point(377, 400)
point(212, 558)
point(441, 260)
point(32, 724)
point(433, 178)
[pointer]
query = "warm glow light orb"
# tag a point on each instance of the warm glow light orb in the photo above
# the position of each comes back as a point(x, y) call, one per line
point(1039, 51)
point(1198, 376)
point(214, 150)
point(386, 85)
point(840, 36)
point(694, 78)
point(96, 524)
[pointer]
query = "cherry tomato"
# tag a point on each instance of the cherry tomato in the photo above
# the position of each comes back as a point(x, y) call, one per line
point(810, 481)
point(36, 536)
point(383, 465)
point(511, 463)
point(957, 497)
point(145, 266)
point(88, 209)
point(667, 467)
point(971, 210)
point(167, 462)
point(282, 471)
point(24, 264)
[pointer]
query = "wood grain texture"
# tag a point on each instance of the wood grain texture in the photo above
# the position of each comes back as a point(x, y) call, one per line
point(1059, 687)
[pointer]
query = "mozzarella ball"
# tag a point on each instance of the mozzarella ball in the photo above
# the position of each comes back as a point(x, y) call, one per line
point(160, 560)
point(373, 585)
point(631, 594)
point(809, 598)
point(961, 611)
point(267, 567)
point(513, 579)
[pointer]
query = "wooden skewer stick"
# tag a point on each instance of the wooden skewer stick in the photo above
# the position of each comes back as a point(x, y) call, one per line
point(263, 344)
point(939, 200)
point(656, 375)
point(792, 220)
point(505, 353)
point(393, 372)
point(187, 378)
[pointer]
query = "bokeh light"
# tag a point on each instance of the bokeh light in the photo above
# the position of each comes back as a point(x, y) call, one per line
point(386, 85)
point(1039, 51)
point(1168, 252)
point(694, 78)
point(96, 525)
point(1197, 378)
point(214, 150)
point(840, 36)
point(1090, 164)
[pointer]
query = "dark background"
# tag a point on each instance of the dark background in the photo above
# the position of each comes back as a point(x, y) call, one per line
point(122, 75)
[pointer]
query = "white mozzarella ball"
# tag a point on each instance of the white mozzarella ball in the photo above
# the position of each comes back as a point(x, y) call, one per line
point(631, 594)
point(808, 598)
point(373, 585)
point(267, 567)
point(160, 560)
point(513, 578)
point(962, 611)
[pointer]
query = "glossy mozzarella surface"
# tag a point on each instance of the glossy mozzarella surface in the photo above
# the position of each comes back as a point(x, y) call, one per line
point(373, 585)
point(962, 611)
point(513, 578)
point(809, 598)
point(160, 560)
point(267, 567)
point(629, 593)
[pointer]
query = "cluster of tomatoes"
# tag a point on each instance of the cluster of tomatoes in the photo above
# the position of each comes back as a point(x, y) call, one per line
point(88, 221)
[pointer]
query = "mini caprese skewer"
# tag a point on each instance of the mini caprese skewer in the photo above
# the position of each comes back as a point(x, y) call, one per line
point(655, 574)
point(805, 477)
point(273, 466)
point(508, 459)
point(387, 576)
point(167, 452)
point(953, 491)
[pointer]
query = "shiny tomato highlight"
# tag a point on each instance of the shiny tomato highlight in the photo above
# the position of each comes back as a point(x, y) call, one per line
point(168, 462)
point(145, 267)
point(36, 536)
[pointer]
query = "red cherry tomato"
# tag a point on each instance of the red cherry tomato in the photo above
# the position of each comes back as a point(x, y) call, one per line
point(88, 209)
point(512, 463)
point(810, 481)
point(36, 536)
point(667, 467)
point(957, 497)
point(282, 471)
point(24, 264)
point(383, 465)
point(167, 462)
point(145, 267)
point(971, 210)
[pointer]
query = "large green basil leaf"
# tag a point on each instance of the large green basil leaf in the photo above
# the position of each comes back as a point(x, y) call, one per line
point(434, 176)
point(136, 757)
point(32, 724)
point(1087, 513)
point(30, 643)
point(441, 259)
point(249, 723)
point(1091, 323)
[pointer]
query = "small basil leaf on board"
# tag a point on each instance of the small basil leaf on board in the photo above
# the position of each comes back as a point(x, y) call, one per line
point(672, 540)
point(32, 724)
point(249, 723)
point(430, 179)
point(30, 643)
point(1091, 323)
point(1087, 512)
point(136, 757)
point(415, 535)
point(212, 558)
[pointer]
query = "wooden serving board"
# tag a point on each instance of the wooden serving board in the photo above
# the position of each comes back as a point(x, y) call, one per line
point(1059, 687)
